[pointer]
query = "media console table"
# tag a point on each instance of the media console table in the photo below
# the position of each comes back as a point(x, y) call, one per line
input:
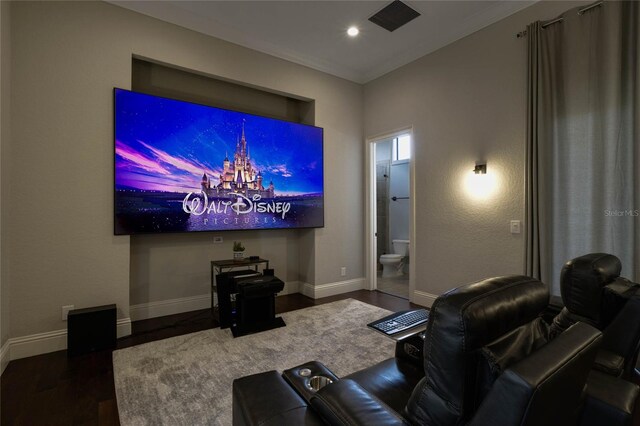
point(221, 293)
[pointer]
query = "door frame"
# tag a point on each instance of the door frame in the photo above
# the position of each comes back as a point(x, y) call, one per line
point(371, 206)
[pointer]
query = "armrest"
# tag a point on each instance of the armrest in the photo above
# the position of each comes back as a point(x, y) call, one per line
point(609, 363)
point(265, 399)
point(347, 403)
point(412, 349)
point(622, 336)
point(609, 401)
point(546, 387)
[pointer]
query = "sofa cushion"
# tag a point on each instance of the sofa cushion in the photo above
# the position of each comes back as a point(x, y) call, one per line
point(346, 403)
point(391, 381)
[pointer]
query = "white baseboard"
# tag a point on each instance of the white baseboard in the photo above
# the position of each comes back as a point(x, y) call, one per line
point(290, 287)
point(307, 289)
point(36, 344)
point(423, 298)
point(163, 308)
point(123, 327)
point(4, 356)
point(51, 341)
point(169, 307)
point(331, 289)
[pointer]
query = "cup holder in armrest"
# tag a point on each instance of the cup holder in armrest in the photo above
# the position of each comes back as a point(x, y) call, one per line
point(309, 378)
point(316, 383)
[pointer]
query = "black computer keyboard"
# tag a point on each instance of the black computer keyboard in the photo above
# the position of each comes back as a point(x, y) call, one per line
point(400, 321)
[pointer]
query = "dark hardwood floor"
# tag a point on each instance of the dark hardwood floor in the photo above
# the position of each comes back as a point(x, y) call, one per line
point(53, 389)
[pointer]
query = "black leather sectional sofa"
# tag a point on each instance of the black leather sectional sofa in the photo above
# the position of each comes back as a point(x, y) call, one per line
point(489, 358)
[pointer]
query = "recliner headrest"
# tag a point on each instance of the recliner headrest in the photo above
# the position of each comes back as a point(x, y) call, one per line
point(495, 306)
point(582, 280)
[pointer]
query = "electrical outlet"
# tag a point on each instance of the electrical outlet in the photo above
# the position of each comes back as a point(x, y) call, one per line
point(515, 226)
point(65, 311)
point(218, 240)
point(343, 271)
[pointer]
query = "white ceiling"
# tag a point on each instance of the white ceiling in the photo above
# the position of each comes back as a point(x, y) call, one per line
point(313, 33)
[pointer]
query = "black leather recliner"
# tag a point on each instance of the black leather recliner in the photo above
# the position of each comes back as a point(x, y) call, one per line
point(487, 361)
point(593, 292)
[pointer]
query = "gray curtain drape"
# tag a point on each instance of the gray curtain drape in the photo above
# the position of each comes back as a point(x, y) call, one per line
point(583, 129)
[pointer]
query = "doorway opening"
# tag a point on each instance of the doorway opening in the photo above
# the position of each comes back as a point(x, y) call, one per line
point(390, 186)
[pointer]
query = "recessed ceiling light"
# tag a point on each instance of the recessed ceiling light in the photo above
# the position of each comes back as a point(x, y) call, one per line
point(353, 31)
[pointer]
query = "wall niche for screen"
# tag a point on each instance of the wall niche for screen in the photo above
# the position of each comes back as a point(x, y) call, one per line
point(161, 80)
point(175, 267)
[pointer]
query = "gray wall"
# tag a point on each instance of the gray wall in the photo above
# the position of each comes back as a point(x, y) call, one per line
point(5, 93)
point(399, 209)
point(67, 57)
point(165, 267)
point(466, 103)
point(383, 171)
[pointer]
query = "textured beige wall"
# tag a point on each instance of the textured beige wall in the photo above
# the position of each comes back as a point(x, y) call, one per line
point(5, 91)
point(67, 59)
point(165, 267)
point(61, 248)
point(467, 103)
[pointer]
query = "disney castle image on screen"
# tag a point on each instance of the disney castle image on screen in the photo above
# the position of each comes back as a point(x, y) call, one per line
point(184, 167)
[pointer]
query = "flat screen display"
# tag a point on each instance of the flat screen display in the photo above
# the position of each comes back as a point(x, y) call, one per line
point(184, 167)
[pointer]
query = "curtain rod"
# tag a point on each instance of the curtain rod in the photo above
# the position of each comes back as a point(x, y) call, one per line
point(560, 19)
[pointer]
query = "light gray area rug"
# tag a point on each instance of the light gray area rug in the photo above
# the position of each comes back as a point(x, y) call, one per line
point(186, 380)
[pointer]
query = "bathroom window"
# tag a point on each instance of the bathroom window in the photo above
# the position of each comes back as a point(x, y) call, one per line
point(402, 148)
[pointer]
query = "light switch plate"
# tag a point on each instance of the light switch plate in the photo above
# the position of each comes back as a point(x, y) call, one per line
point(515, 226)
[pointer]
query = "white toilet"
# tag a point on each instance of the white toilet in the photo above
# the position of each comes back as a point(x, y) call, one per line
point(392, 264)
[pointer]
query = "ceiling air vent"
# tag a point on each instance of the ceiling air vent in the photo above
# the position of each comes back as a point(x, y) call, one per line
point(394, 15)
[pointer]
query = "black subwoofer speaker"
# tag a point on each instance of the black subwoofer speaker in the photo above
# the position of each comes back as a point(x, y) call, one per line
point(91, 329)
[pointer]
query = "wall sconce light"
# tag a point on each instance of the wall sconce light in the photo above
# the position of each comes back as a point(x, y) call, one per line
point(480, 169)
point(480, 185)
